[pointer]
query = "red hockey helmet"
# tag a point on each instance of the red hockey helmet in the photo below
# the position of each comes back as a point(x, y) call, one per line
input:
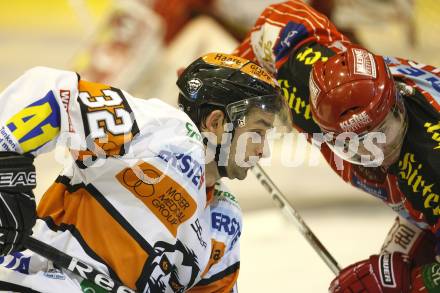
point(354, 92)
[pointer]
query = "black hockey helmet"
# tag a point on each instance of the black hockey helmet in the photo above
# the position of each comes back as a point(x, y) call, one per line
point(232, 84)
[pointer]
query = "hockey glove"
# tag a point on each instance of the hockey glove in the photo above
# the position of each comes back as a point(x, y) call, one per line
point(387, 273)
point(17, 202)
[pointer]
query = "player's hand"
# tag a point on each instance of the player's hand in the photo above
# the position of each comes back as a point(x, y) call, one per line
point(387, 273)
point(17, 202)
point(18, 216)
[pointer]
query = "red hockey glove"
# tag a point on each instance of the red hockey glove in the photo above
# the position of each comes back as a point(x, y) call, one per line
point(387, 273)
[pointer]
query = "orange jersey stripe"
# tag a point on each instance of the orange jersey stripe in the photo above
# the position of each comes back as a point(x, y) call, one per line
point(101, 232)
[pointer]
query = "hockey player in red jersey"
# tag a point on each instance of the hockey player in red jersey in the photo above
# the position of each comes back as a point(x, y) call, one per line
point(353, 96)
point(385, 123)
point(138, 202)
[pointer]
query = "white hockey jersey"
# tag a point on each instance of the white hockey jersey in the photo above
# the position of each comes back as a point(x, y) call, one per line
point(132, 203)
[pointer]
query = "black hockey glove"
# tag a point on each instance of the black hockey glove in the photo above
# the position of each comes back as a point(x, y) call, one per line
point(17, 202)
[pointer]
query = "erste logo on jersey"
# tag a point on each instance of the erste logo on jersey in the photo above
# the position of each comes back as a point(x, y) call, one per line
point(167, 200)
point(226, 224)
point(185, 165)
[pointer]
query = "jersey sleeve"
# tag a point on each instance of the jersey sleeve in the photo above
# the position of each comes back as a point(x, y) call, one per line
point(281, 29)
point(287, 39)
point(45, 107)
point(34, 110)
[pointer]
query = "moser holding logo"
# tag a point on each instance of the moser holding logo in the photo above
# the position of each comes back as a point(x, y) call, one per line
point(364, 63)
point(355, 122)
point(168, 201)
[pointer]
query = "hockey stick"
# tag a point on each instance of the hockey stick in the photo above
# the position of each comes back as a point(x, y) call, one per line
point(76, 266)
point(284, 204)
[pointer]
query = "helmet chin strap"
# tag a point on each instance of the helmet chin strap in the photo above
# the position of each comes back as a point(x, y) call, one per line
point(222, 171)
point(222, 150)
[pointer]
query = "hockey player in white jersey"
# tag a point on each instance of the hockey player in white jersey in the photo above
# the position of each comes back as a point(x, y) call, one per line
point(139, 201)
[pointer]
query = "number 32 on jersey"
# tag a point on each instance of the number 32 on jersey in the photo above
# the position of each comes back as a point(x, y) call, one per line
point(108, 118)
